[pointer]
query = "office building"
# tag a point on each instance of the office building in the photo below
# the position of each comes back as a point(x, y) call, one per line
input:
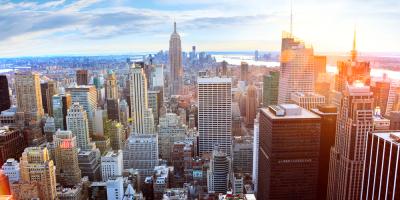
point(170, 130)
point(139, 101)
point(115, 188)
point(297, 68)
point(354, 121)
point(12, 170)
point(394, 118)
point(244, 71)
point(82, 77)
point(214, 114)
point(49, 129)
point(175, 62)
point(5, 101)
point(113, 110)
point(48, 89)
point(288, 168)
point(380, 179)
point(86, 96)
point(77, 122)
point(251, 105)
point(242, 154)
point(111, 87)
point(61, 104)
point(66, 158)
point(36, 166)
point(158, 77)
point(89, 164)
point(141, 153)
point(328, 114)
point(270, 88)
point(218, 173)
point(29, 98)
point(380, 91)
point(256, 147)
point(319, 66)
point(155, 101)
point(307, 100)
point(116, 132)
point(393, 101)
point(74, 193)
point(12, 143)
point(111, 164)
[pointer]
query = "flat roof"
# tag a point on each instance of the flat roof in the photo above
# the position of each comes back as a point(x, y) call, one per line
point(386, 135)
point(305, 114)
point(215, 79)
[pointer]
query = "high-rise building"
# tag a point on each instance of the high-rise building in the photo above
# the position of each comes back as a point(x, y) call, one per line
point(77, 122)
point(215, 114)
point(170, 130)
point(115, 188)
point(36, 166)
point(393, 101)
point(86, 96)
point(48, 89)
point(224, 66)
point(89, 163)
point(113, 110)
point(115, 131)
point(381, 171)
point(319, 66)
point(380, 91)
point(29, 98)
point(256, 147)
point(354, 121)
point(139, 101)
point(218, 173)
point(297, 68)
point(288, 153)
point(111, 86)
point(242, 155)
point(175, 62)
point(394, 118)
point(158, 77)
point(244, 71)
point(49, 129)
point(66, 158)
point(308, 101)
point(155, 102)
point(352, 70)
point(82, 77)
point(270, 88)
point(12, 170)
point(328, 114)
point(251, 105)
point(111, 165)
point(5, 101)
point(12, 143)
point(61, 104)
point(141, 153)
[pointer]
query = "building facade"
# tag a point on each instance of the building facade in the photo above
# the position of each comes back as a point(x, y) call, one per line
point(175, 62)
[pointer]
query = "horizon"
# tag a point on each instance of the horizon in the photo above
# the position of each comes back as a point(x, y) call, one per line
point(99, 27)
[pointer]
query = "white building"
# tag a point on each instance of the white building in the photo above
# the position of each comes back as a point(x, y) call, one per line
point(111, 164)
point(215, 114)
point(86, 96)
point(99, 116)
point(158, 76)
point(115, 188)
point(12, 170)
point(256, 146)
point(77, 123)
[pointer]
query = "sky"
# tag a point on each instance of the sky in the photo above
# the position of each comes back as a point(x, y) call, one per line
point(90, 27)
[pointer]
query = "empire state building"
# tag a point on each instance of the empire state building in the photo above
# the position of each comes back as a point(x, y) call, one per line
point(175, 61)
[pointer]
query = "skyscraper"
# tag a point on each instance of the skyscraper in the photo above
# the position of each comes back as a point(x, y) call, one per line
point(61, 104)
point(82, 77)
point(270, 88)
point(12, 143)
point(215, 114)
point(138, 96)
point(170, 130)
point(5, 101)
point(175, 62)
point(297, 68)
point(111, 164)
point(77, 122)
point(380, 91)
point(354, 121)
point(66, 158)
point(36, 166)
point(288, 153)
point(29, 98)
point(48, 89)
point(381, 166)
point(111, 86)
point(86, 96)
point(218, 173)
point(251, 105)
point(244, 71)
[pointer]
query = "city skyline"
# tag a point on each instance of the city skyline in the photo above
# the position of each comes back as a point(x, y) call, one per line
point(102, 27)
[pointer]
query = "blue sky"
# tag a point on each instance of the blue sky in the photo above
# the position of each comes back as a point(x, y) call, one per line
point(34, 28)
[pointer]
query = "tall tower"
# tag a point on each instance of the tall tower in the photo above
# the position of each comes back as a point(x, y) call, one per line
point(138, 96)
point(111, 86)
point(218, 174)
point(354, 122)
point(77, 122)
point(251, 105)
point(5, 102)
point(66, 158)
point(29, 98)
point(297, 68)
point(61, 104)
point(175, 61)
point(48, 89)
point(215, 114)
point(82, 77)
point(36, 166)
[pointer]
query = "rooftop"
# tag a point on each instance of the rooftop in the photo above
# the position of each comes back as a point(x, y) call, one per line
point(205, 80)
point(288, 111)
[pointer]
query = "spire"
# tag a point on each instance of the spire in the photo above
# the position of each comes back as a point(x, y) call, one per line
point(174, 27)
point(354, 50)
